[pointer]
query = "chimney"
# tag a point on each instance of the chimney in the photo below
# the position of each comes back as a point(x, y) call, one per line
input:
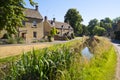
point(36, 7)
point(53, 19)
point(45, 18)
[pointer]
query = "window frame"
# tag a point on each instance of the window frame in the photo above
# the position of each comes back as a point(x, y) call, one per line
point(34, 23)
point(34, 34)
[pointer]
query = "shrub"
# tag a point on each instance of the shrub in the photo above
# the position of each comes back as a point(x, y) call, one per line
point(11, 41)
point(47, 67)
point(20, 40)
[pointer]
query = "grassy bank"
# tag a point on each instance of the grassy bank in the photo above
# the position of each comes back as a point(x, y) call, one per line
point(64, 62)
point(101, 67)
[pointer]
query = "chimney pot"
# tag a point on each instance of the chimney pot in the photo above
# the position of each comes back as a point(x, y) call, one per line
point(36, 7)
point(53, 19)
point(45, 18)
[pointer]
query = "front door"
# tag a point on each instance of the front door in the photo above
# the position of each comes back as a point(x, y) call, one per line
point(23, 35)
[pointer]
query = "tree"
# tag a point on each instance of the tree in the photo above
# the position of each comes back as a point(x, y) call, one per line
point(53, 32)
point(85, 30)
point(11, 14)
point(106, 23)
point(98, 31)
point(116, 27)
point(116, 20)
point(74, 18)
point(92, 24)
point(116, 23)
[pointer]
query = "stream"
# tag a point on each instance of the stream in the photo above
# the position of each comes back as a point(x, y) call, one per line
point(86, 53)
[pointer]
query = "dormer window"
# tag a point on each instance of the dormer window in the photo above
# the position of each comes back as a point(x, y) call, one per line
point(34, 23)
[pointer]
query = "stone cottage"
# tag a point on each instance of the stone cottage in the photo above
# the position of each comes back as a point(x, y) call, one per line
point(64, 29)
point(33, 26)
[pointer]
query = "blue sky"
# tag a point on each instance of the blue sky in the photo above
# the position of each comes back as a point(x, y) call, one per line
point(89, 9)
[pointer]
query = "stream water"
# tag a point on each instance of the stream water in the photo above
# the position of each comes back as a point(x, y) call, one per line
point(86, 53)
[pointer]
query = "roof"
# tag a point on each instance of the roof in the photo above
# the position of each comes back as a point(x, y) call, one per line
point(32, 13)
point(60, 24)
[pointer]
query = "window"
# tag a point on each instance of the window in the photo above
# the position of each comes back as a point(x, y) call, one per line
point(34, 23)
point(34, 34)
point(23, 23)
point(23, 35)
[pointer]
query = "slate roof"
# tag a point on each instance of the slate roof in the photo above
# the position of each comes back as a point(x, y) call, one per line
point(32, 13)
point(60, 24)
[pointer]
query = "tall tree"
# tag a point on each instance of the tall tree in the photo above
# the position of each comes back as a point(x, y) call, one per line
point(85, 30)
point(11, 14)
point(107, 25)
point(116, 23)
point(74, 18)
point(99, 31)
point(92, 24)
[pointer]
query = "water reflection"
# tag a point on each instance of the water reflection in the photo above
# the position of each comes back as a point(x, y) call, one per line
point(86, 53)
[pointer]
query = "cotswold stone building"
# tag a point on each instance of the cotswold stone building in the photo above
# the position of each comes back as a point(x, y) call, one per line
point(33, 26)
point(64, 29)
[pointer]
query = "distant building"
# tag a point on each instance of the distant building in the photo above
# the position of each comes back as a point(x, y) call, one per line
point(64, 29)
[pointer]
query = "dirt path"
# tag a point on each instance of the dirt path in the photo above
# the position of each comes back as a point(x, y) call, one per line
point(16, 49)
point(117, 46)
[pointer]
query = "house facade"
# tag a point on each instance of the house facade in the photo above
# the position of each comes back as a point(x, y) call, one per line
point(64, 29)
point(33, 26)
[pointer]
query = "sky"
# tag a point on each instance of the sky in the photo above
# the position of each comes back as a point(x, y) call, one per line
point(88, 9)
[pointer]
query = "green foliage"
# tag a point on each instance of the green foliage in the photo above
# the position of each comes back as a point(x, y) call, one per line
point(101, 67)
point(106, 24)
point(74, 18)
point(92, 24)
point(15, 40)
point(116, 20)
point(53, 32)
point(63, 62)
point(11, 15)
point(85, 30)
point(43, 67)
point(6, 36)
point(98, 31)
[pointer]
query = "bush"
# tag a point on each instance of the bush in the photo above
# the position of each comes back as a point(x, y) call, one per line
point(6, 36)
point(11, 41)
point(35, 41)
point(47, 67)
point(20, 40)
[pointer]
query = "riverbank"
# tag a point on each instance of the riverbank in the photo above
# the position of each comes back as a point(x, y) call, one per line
point(65, 62)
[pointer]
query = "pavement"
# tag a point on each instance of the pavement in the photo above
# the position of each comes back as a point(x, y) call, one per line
point(116, 43)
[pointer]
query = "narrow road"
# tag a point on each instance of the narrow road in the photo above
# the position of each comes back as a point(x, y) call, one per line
point(117, 46)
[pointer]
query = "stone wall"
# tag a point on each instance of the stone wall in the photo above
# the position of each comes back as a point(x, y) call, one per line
point(28, 29)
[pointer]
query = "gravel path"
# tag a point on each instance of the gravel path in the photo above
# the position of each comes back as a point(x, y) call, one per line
point(117, 46)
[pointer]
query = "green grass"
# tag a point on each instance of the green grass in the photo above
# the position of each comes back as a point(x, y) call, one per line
point(64, 62)
point(102, 67)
